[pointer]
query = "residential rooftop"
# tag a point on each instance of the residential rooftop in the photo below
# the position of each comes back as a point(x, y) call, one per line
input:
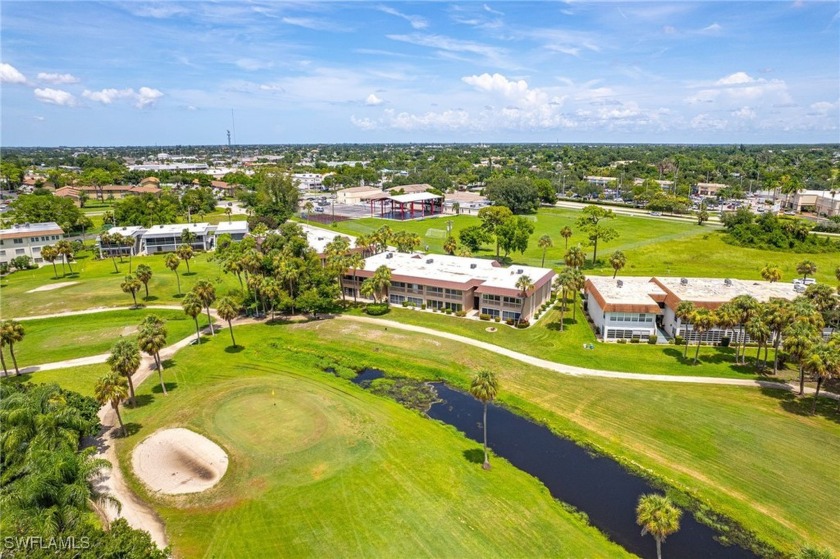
point(719, 290)
point(319, 238)
point(178, 228)
point(627, 294)
point(23, 230)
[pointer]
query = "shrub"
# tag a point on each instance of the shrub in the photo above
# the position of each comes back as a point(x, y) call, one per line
point(447, 311)
point(634, 340)
point(621, 341)
point(497, 318)
point(377, 309)
point(405, 304)
point(461, 313)
point(484, 316)
point(509, 322)
point(724, 341)
point(423, 306)
point(23, 262)
point(4, 267)
point(523, 323)
point(679, 340)
point(652, 339)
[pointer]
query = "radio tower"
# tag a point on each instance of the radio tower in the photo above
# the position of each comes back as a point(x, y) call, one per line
point(228, 133)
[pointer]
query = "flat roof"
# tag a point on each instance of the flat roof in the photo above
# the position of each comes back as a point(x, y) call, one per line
point(319, 238)
point(177, 229)
point(232, 227)
point(456, 269)
point(626, 294)
point(24, 230)
point(128, 231)
point(415, 197)
point(720, 290)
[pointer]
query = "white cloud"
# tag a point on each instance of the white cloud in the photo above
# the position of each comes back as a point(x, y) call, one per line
point(252, 64)
point(823, 108)
point(516, 90)
point(735, 79)
point(144, 97)
point(58, 79)
point(10, 74)
point(739, 89)
point(39, 118)
point(55, 97)
point(447, 44)
point(707, 122)
point(744, 113)
point(713, 29)
point(417, 22)
point(316, 24)
point(372, 100)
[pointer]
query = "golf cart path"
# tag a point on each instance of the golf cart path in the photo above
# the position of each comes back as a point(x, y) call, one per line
point(579, 371)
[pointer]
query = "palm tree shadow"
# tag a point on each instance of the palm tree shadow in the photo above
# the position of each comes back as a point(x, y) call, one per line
point(170, 386)
point(474, 455)
point(801, 405)
point(234, 349)
point(144, 400)
point(130, 429)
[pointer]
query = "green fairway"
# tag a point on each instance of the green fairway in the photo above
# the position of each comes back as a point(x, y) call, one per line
point(77, 379)
point(653, 246)
point(319, 467)
point(69, 337)
point(98, 285)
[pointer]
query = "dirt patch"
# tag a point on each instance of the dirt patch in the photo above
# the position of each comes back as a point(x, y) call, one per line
point(52, 286)
point(179, 461)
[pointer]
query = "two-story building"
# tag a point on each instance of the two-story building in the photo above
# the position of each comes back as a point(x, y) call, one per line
point(27, 239)
point(167, 238)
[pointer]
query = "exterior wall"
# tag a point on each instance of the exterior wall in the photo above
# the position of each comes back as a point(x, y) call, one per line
point(28, 246)
point(154, 244)
point(596, 313)
point(619, 325)
point(107, 251)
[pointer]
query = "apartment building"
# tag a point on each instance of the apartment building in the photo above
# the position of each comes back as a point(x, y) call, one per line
point(28, 239)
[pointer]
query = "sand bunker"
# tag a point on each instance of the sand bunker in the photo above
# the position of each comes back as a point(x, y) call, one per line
point(179, 461)
point(52, 286)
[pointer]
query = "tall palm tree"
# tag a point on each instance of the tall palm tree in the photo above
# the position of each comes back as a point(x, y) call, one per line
point(684, 311)
point(450, 245)
point(228, 309)
point(185, 253)
point(151, 340)
point(484, 387)
point(272, 291)
point(746, 306)
point(172, 262)
point(759, 331)
point(728, 317)
point(12, 332)
point(524, 284)
point(566, 232)
point(192, 307)
point(50, 253)
point(131, 285)
point(354, 262)
point(124, 360)
point(544, 243)
point(617, 261)
point(575, 257)
point(771, 273)
point(799, 339)
point(381, 281)
point(778, 314)
point(65, 249)
point(144, 274)
point(206, 293)
point(823, 362)
point(578, 283)
point(657, 516)
point(806, 268)
point(702, 320)
point(111, 389)
point(3, 358)
point(565, 281)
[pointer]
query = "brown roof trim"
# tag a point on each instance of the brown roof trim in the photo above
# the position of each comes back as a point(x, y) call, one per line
point(30, 234)
point(590, 288)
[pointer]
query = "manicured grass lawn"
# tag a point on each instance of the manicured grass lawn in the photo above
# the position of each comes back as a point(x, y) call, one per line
point(653, 246)
point(545, 340)
point(77, 379)
point(319, 467)
point(69, 337)
point(99, 285)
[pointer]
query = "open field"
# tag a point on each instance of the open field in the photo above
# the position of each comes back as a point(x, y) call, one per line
point(319, 467)
point(653, 246)
point(99, 285)
point(69, 337)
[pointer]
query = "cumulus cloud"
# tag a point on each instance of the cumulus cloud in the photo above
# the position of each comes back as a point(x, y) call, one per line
point(10, 74)
point(57, 79)
point(735, 79)
point(515, 90)
point(823, 107)
point(708, 122)
point(739, 89)
point(55, 97)
point(744, 113)
point(144, 97)
point(372, 100)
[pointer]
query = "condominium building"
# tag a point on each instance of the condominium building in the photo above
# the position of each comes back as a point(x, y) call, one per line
point(110, 247)
point(167, 238)
point(28, 239)
point(457, 283)
point(236, 229)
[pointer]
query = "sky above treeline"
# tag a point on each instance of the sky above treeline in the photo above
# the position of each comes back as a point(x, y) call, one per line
point(170, 73)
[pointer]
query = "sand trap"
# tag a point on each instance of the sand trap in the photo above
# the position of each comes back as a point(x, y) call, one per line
point(179, 461)
point(52, 286)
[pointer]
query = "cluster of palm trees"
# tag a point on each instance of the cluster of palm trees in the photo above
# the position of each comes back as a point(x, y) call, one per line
point(115, 245)
point(11, 332)
point(63, 251)
point(570, 280)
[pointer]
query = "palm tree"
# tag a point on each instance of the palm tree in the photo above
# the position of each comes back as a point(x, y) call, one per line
point(617, 261)
point(172, 262)
point(684, 311)
point(702, 321)
point(823, 361)
point(771, 273)
point(575, 257)
point(728, 317)
point(131, 285)
point(524, 284)
point(65, 249)
point(192, 307)
point(806, 268)
point(450, 245)
point(111, 389)
point(566, 232)
point(144, 274)
point(484, 388)
point(128, 242)
point(578, 283)
point(354, 262)
point(381, 281)
point(151, 340)
point(565, 281)
point(50, 253)
point(12, 332)
point(124, 360)
point(228, 309)
point(799, 339)
point(229, 212)
point(272, 291)
point(544, 243)
point(185, 253)
point(657, 516)
point(759, 331)
point(206, 293)
point(746, 306)
point(3, 358)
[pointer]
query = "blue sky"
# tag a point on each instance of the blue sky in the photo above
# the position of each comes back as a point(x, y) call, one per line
point(167, 73)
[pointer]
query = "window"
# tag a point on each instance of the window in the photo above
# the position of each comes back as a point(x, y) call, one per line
point(2, 253)
point(509, 315)
point(454, 306)
point(491, 312)
point(512, 301)
point(435, 291)
point(20, 251)
point(454, 293)
point(414, 300)
point(398, 284)
point(396, 299)
point(432, 304)
point(36, 249)
point(490, 299)
point(18, 241)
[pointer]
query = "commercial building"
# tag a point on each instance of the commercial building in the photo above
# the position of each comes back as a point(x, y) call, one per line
point(636, 307)
point(709, 189)
point(457, 283)
point(464, 203)
point(28, 239)
point(356, 194)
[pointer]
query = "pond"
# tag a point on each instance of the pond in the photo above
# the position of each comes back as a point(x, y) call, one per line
point(595, 485)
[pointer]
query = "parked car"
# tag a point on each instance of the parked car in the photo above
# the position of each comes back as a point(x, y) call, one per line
point(656, 213)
